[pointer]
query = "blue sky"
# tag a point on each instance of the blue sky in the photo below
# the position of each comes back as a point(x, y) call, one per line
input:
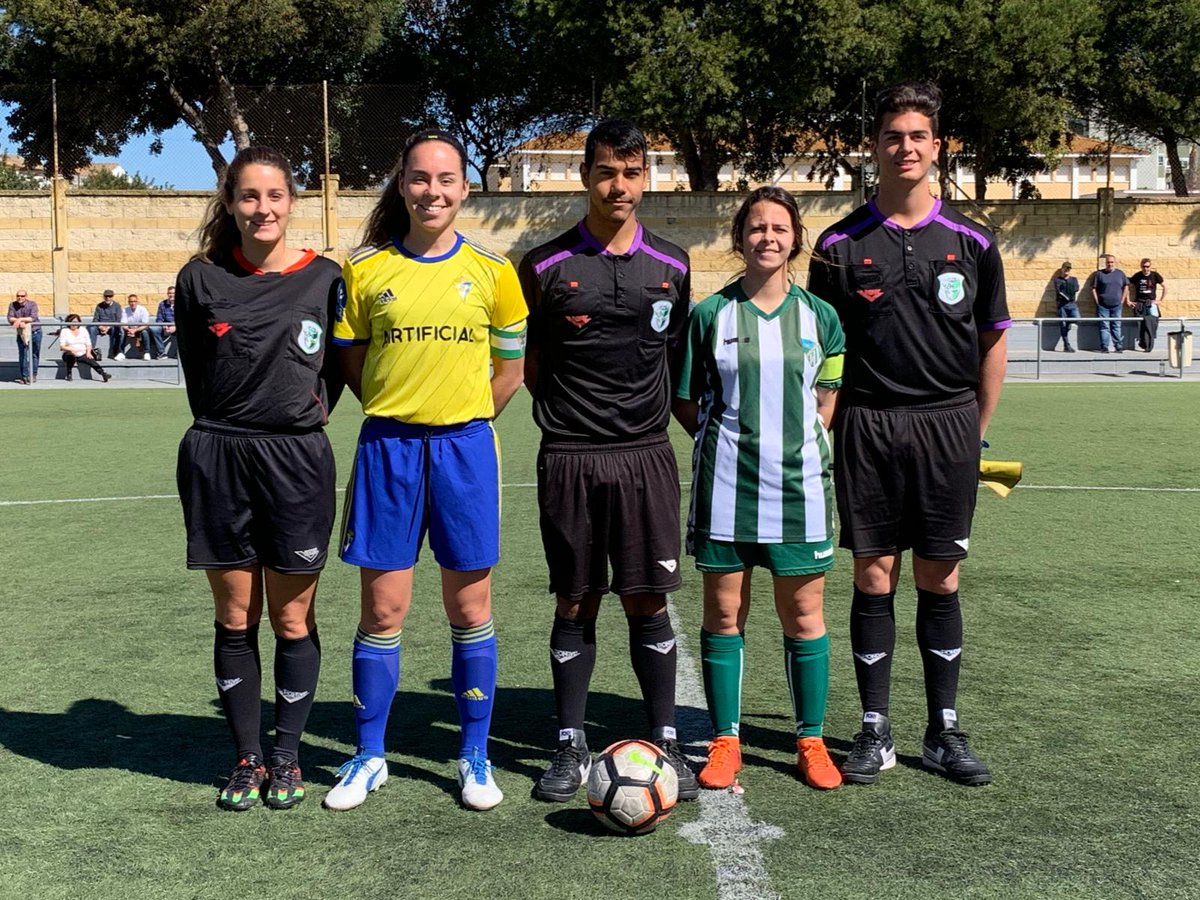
point(183, 164)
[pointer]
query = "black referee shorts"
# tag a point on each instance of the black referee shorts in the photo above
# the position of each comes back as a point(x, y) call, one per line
point(603, 503)
point(907, 479)
point(255, 499)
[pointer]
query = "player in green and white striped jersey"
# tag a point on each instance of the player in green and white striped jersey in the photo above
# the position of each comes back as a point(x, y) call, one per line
point(761, 369)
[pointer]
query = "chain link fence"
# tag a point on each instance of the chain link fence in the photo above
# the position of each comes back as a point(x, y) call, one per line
point(88, 134)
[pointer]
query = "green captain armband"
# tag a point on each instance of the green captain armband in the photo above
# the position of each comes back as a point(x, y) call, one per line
point(508, 342)
point(830, 375)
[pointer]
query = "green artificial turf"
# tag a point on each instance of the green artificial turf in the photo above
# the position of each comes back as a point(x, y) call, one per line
point(1078, 689)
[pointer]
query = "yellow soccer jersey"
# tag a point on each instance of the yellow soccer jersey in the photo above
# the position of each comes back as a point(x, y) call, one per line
point(431, 324)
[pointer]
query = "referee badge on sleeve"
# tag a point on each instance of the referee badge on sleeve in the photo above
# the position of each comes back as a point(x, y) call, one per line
point(950, 288)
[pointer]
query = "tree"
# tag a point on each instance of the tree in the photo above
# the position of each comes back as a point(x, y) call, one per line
point(490, 72)
point(13, 178)
point(729, 83)
point(108, 180)
point(129, 67)
point(1150, 74)
point(1008, 69)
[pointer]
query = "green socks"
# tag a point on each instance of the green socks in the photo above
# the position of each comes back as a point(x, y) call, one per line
point(807, 665)
point(721, 660)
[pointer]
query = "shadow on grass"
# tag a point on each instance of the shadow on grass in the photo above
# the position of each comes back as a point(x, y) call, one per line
point(98, 733)
point(578, 821)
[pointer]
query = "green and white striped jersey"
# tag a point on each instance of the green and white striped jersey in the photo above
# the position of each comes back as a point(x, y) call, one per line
point(761, 461)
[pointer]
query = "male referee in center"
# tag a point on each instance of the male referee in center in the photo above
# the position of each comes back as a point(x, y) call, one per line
point(608, 305)
point(920, 290)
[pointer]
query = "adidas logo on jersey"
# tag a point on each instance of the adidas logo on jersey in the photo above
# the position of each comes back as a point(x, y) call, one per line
point(669, 564)
point(947, 655)
point(308, 555)
point(870, 658)
point(563, 656)
point(225, 684)
point(292, 696)
point(386, 297)
point(663, 647)
point(473, 694)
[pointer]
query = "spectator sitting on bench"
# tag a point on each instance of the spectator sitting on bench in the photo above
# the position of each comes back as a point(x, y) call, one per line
point(158, 338)
point(76, 345)
point(106, 320)
point(134, 320)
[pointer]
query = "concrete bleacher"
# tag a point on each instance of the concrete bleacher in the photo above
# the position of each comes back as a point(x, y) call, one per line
point(1031, 352)
point(51, 367)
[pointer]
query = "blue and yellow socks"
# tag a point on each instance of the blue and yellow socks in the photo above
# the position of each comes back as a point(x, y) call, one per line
point(473, 676)
point(375, 674)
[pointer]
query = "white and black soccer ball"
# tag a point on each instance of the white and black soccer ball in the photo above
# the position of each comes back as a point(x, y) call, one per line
point(632, 787)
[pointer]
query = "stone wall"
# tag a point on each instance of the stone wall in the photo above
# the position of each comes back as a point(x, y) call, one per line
point(134, 242)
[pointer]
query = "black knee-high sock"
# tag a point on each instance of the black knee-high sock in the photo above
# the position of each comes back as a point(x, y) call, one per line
point(239, 685)
point(297, 667)
point(940, 635)
point(653, 654)
point(873, 642)
point(572, 659)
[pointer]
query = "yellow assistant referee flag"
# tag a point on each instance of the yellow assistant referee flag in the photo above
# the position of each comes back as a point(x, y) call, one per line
point(1000, 475)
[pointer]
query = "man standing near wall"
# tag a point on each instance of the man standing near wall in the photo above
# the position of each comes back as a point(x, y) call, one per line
point(608, 305)
point(920, 290)
point(23, 316)
point(1110, 290)
point(1066, 287)
point(1147, 303)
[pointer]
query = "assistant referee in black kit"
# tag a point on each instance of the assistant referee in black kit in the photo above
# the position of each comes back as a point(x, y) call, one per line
point(920, 290)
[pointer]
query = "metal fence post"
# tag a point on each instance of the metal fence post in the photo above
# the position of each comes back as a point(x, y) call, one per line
point(1037, 372)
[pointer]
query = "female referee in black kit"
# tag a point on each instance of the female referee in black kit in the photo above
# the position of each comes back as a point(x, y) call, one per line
point(256, 471)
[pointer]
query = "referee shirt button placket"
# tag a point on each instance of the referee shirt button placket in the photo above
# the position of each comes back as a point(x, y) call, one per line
point(910, 265)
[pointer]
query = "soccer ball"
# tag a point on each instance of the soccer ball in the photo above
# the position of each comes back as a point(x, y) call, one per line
point(632, 787)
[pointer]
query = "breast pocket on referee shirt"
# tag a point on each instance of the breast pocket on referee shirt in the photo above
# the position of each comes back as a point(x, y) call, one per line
point(574, 311)
point(952, 289)
point(868, 282)
point(226, 361)
point(306, 340)
point(658, 301)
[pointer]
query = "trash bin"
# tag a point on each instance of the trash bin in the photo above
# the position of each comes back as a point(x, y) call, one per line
point(1179, 349)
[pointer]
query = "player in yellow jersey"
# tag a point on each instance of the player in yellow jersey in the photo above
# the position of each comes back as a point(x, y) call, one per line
point(432, 331)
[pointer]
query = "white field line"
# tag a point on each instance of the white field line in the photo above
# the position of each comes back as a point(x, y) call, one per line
point(734, 840)
point(1020, 487)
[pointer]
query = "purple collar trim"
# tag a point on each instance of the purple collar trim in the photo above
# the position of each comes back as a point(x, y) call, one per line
point(591, 240)
point(933, 214)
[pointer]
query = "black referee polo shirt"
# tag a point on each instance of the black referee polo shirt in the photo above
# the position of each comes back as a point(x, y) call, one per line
point(912, 301)
point(255, 346)
point(605, 328)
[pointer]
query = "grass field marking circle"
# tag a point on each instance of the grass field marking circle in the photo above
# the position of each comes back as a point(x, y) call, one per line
point(733, 839)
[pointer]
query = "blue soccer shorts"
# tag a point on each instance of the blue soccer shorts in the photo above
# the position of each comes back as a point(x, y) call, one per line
point(409, 480)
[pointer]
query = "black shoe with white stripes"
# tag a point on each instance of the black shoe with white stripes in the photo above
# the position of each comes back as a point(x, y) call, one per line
point(947, 752)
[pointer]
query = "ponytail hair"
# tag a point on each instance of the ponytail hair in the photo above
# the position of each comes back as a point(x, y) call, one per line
point(219, 234)
point(389, 218)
